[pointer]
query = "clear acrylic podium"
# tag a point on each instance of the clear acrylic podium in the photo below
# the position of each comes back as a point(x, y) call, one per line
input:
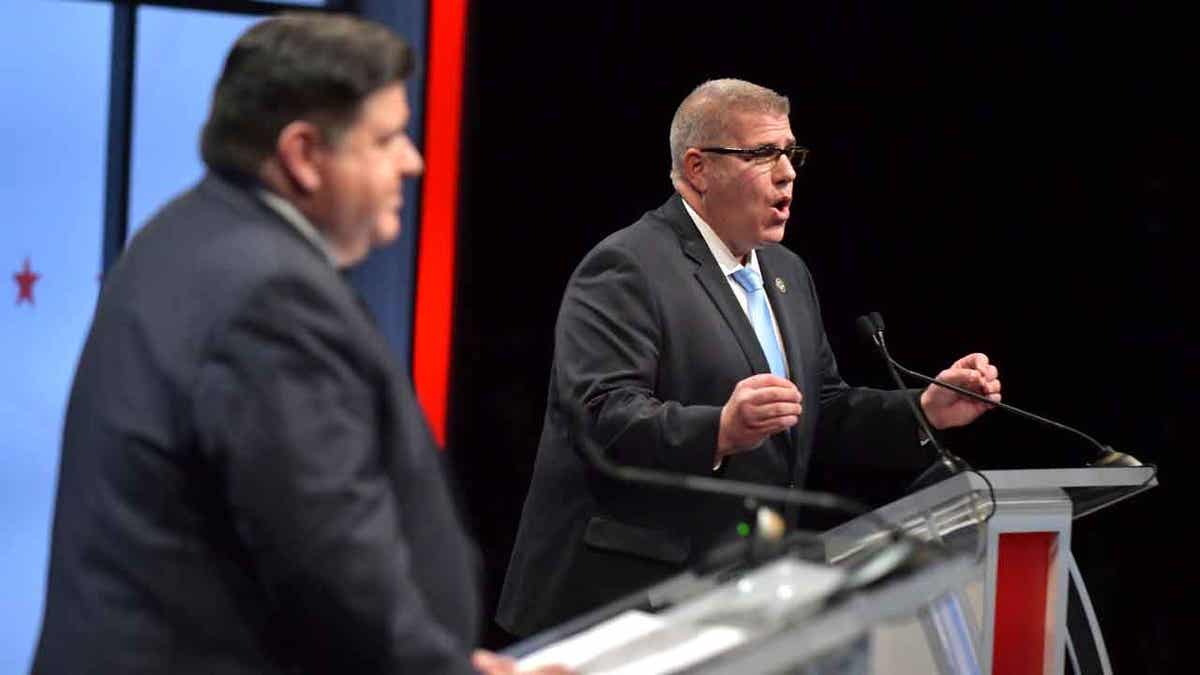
point(1026, 607)
point(1007, 598)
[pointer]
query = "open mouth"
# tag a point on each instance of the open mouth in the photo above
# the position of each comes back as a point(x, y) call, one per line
point(782, 206)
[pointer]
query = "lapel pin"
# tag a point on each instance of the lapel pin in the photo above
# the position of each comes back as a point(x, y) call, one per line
point(780, 285)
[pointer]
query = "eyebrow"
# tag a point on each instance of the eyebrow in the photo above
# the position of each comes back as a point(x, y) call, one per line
point(392, 132)
point(787, 144)
point(764, 146)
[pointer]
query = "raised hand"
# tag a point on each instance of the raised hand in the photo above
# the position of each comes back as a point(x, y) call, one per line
point(945, 408)
point(760, 405)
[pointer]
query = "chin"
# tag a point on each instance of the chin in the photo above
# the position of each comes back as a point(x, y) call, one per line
point(773, 234)
point(386, 231)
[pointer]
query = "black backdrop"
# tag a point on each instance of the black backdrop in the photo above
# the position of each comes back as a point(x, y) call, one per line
point(1013, 178)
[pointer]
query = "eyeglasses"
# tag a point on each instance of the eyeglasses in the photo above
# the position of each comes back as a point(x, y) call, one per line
point(796, 154)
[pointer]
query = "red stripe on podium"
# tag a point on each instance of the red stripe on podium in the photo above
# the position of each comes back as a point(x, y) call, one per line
point(1022, 583)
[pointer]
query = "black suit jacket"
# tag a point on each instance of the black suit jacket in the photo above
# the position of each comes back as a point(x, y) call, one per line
point(247, 484)
point(649, 344)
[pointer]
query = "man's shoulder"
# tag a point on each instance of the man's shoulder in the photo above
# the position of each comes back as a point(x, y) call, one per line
point(207, 253)
point(224, 230)
point(656, 232)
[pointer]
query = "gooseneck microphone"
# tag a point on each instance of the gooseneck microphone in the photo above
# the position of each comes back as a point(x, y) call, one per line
point(900, 549)
point(947, 464)
point(713, 486)
point(1105, 455)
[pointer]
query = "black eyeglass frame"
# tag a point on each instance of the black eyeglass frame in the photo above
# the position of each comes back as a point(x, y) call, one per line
point(796, 154)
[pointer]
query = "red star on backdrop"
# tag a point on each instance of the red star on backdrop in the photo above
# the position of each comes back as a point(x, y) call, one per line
point(26, 278)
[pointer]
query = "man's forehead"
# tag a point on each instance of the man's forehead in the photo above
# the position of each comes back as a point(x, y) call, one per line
point(387, 105)
point(764, 126)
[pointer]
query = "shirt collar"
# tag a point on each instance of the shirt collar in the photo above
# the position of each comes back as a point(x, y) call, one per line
point(724, 257)
point(298, 220)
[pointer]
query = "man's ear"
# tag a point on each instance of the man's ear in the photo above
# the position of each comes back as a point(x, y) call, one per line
point(696, 170)
point(299, 149)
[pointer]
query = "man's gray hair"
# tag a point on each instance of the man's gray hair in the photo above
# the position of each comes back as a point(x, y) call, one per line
point(704, 116)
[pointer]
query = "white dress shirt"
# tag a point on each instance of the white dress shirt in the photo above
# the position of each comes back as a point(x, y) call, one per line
point(730, 264)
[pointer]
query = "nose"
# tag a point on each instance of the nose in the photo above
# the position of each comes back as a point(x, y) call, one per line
point(409, 162)
point(787, 173)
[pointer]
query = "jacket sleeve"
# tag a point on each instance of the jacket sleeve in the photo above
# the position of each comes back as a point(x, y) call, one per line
point(608, 342)
point(862, 426)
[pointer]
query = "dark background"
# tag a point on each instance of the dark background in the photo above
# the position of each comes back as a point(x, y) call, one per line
point(1013, 178)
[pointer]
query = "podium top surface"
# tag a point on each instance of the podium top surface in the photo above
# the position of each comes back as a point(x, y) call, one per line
point(1088, 489)
point(963, 501)
point(1136, 476)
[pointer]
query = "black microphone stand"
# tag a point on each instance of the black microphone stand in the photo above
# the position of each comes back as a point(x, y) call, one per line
point(1105, 455)
point(766, 527)
point(947, 463)
point(767, 538)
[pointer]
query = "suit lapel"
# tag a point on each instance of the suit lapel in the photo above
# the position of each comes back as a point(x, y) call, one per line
point(786, 313)
point(708, 273)
point(780, 293)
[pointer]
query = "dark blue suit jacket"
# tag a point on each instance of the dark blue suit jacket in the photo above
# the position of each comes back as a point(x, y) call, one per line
point(247, 484)
point(649, 344)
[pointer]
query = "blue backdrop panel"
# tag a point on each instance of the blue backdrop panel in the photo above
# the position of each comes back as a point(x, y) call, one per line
point(387, 278)
point(178, 58)
point(54, 85)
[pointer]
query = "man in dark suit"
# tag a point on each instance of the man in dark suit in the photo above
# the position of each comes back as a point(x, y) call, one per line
point(692, 342)
point(247, 484)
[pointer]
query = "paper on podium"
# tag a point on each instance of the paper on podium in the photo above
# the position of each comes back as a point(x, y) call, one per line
point(692, 632)
point(635, 642)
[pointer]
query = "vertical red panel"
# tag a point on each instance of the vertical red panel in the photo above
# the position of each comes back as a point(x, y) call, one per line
point(1022, 583)
point(439, 211)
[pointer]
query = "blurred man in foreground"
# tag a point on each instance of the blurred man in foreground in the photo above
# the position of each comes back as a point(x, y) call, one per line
point(247, 484)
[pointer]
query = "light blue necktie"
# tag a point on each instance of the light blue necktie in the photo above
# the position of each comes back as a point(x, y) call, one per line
point(760, 318)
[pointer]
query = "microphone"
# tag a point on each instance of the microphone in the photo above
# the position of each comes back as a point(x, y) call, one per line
point(722, 487)
point(947, 464)
point(1105, 455)
point(767, 525)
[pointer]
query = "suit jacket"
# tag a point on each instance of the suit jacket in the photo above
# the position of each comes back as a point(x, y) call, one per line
point(247, 484)
point(649, 344)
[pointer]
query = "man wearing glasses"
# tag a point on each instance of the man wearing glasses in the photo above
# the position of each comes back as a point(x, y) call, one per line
point(691, 342)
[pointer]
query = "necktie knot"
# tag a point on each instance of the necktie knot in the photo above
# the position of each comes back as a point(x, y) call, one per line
point(748, 279)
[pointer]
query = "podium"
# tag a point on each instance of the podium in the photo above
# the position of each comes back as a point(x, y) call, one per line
point(1026, 606)
point(1002, 595)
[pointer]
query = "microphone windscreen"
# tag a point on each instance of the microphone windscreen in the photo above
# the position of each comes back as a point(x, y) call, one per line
point(877, 319)
point(866, 328)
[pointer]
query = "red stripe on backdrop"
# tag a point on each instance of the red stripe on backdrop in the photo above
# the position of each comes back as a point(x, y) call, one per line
point(434, 311)
point(1022, 584)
